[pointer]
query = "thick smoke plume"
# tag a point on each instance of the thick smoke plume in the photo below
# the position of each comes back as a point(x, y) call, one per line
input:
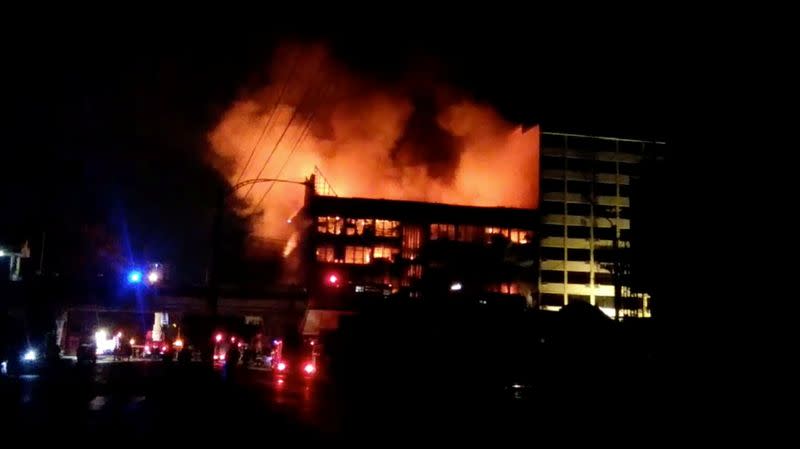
point(408, 139)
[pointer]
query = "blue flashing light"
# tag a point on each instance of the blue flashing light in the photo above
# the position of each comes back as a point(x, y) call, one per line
point(134, 277)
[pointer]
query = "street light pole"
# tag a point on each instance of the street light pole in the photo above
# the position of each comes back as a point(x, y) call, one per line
point(216, 243)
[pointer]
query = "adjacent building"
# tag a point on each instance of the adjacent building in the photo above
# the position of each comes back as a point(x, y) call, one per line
point(586, 207)
point(575, 247)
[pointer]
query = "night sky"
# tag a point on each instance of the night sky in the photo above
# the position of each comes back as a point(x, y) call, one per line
point(105, 126)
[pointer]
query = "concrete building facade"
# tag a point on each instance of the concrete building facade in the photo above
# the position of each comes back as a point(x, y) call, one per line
point(585, 232)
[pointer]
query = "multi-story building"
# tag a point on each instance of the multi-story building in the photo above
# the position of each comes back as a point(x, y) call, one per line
point(575, 247)
point(586, 221)
point(358, 250)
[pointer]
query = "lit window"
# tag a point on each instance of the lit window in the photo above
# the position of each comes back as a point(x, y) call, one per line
point(334, 225)
point(384, 252)
point(412, 237)
point(325, 254)
point(357, 255)
point(329, 225)
point(492, 231)
point(369, 225)
point(508, 288)
point(520, 236)
point(387, 228)
point(414, 271)
point(356, 226)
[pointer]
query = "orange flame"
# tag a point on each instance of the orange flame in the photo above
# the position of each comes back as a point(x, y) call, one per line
point(316, 112)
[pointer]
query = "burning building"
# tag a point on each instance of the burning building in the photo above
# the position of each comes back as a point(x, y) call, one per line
point(431, 183)
point(407, 139)
point(359, 250)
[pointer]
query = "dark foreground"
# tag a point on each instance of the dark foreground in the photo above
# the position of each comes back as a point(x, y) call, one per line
point(394, 375)
point(148, 401)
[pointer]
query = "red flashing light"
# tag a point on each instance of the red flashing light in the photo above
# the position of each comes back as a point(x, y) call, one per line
point(281, 366)
point(233, 339)
point(218, 338)
point(309, 368)
point(332, 279)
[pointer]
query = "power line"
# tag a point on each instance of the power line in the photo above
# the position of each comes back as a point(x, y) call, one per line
point(280, 139)
point(303, 135)
point(298, 142)
point(269, 118)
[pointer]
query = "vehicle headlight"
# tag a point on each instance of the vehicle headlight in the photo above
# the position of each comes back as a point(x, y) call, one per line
point(29, 356)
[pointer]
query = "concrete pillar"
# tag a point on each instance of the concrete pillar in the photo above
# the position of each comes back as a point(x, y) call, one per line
point(61, 322)
point(160, 319)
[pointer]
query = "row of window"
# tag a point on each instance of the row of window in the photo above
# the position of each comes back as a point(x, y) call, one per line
point(584, 209)
point(591, 145)
point(585, 188)
point(356, 254)
point(576, 277)
point(552, 299)
point(412, 241)
point(581, 232)
point(358, 226)
point(601, 254)
point(509, 288)
point(469, 233)
point(412, 235)
point(589, 165)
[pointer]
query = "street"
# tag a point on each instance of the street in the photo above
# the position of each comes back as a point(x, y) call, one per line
point(137, 402)
point(142, 400)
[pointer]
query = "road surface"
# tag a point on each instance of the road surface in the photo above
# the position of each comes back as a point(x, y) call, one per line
point(144, 402)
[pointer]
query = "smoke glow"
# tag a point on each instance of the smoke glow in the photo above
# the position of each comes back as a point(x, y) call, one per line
point(406, 140)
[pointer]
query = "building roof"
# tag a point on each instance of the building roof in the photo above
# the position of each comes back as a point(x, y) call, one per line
point(423, 213)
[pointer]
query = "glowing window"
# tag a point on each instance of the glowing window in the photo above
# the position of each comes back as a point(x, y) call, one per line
point(329, 225)
point(491, 232)
point(508, 288)
point(520, 236)
point(384, 252)
point(414, 271)
point(356, 226)
point(387, 228)
point(357, 255)
point(360, 224)
point(412, 239)
point(325, 254)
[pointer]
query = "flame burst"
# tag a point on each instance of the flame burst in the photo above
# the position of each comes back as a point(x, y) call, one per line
point(412, 140)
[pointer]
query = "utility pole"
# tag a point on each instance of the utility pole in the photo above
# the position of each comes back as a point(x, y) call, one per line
point(617, 274)
point(216, 243)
